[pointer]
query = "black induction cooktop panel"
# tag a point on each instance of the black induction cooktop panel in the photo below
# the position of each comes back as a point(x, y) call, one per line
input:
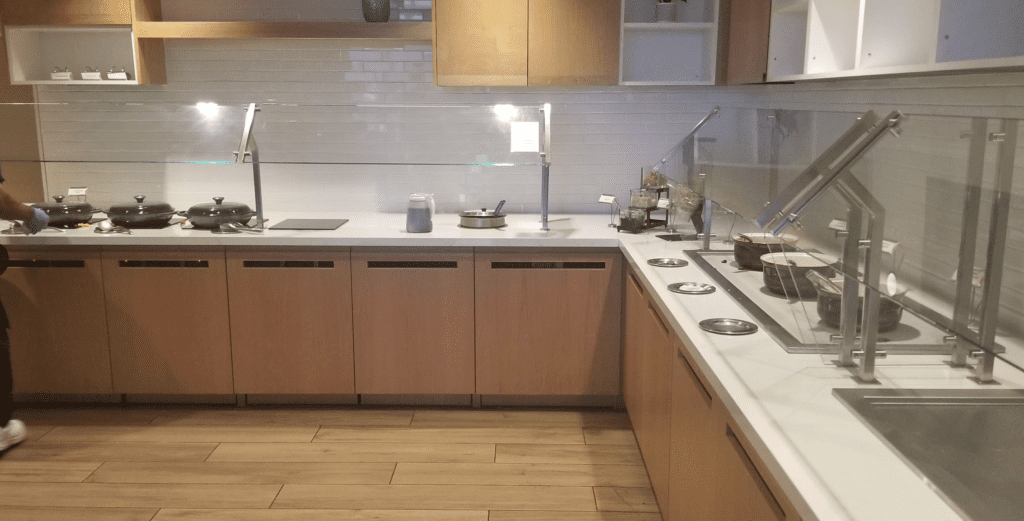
point(309, 224)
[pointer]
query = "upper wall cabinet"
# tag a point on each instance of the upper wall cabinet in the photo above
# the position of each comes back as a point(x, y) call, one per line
point(674, 43)
point(81, 42)
point(517, 43)
point(813, 39)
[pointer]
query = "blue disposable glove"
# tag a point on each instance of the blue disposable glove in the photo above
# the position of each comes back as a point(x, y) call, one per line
point(38, 221)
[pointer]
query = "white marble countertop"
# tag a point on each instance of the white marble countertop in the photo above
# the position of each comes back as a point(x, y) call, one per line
point(362, 229)
point(832, 466)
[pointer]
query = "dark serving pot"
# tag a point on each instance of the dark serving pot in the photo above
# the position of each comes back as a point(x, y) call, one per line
point(141, 214)
point(66, 215)
point(207, 215)
point(749, 247)
point(786, 273)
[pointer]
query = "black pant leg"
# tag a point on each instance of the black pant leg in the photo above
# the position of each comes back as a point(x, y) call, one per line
point(6, 379)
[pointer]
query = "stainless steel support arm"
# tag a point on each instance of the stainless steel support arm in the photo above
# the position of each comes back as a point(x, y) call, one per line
point(248, 147)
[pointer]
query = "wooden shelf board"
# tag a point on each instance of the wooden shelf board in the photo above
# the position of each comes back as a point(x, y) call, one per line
point(971, 66)
point(417, 31)
point(74, 82)
point(656, 83)
point(674, 26)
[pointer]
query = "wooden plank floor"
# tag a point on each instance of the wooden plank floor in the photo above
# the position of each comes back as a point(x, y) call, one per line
point(325, 464)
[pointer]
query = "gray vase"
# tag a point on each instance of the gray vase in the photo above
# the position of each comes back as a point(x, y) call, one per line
point(376, 10)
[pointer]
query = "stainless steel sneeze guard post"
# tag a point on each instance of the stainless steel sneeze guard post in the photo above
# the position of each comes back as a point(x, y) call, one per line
point(832, 169)
point(545, 168)
point(248, 147)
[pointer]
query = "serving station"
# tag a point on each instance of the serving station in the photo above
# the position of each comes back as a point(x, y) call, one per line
point(715, 360)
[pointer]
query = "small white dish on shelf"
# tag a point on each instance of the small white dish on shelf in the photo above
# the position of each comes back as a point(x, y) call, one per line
point(91, 74)
point(59, 74)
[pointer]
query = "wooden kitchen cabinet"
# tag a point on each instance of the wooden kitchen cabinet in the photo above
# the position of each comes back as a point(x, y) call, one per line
point(745, 41)
point(633, 350)
point(291, 321)
point(548, 323)
point(167, 317)
point(480, 44)
point(694, 447)
point(516, 43)
point(573, 42)
point(742, 493)
point(54, 300)
point(656, 402)
point(413, 322)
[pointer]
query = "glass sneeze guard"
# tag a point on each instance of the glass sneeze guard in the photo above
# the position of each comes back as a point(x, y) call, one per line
point(950, 192)
point(194, 144)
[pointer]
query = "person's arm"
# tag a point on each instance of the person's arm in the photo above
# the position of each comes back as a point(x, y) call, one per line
point(11, 209)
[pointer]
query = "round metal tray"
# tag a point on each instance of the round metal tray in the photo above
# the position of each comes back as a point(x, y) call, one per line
point(664, 262)
point(691, 288)
point(728, 326)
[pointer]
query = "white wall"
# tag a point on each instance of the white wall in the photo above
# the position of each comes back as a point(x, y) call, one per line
point(601, 136)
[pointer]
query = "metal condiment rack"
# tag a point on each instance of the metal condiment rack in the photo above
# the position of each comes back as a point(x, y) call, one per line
point(649, 222)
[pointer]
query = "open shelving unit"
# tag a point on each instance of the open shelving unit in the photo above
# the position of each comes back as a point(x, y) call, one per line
point(683, 52)
point(76, 34)
point(818, 39)
point(34, 51)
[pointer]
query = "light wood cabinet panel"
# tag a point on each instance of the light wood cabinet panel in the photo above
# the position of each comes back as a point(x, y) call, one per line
point(480, 43)
point(632, 350)
point(167, 317)
point(745, 24)
point(67, 12)
point(657, 403)
point(742, 495)
point(548, 323)
point(574, 42)
point(291, 322)
point(694, 448)
point(54, 301)
point(413, 322)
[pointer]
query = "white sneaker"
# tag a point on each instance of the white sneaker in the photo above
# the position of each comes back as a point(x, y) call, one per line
point(13, 434)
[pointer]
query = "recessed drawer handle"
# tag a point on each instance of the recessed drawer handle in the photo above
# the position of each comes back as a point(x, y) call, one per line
point(548, 265)
point(46, 263)
point(696, 379)
point(287, 264)
point(412, 264)
point(163, 264)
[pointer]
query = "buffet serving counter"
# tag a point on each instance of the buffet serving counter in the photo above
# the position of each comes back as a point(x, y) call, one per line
point(829, 463)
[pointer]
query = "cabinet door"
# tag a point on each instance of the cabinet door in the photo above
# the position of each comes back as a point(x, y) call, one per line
point(693, 447)
point(746, 23)
point(657, 403)
point(67, 12)
point(167, 316)
point(632, 350)
point(291, 322)
point(480, 43)
point(413, 322)
point(548, 323)
point(574, 42)
point(743, 494)
point(54, 301)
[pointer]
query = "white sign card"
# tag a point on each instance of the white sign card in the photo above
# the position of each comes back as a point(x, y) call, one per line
point(525, 136)
point(662, 203)
point(607, 199)
point(76, 191)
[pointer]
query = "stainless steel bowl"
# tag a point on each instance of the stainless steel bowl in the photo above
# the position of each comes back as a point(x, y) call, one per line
point(481, 219)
